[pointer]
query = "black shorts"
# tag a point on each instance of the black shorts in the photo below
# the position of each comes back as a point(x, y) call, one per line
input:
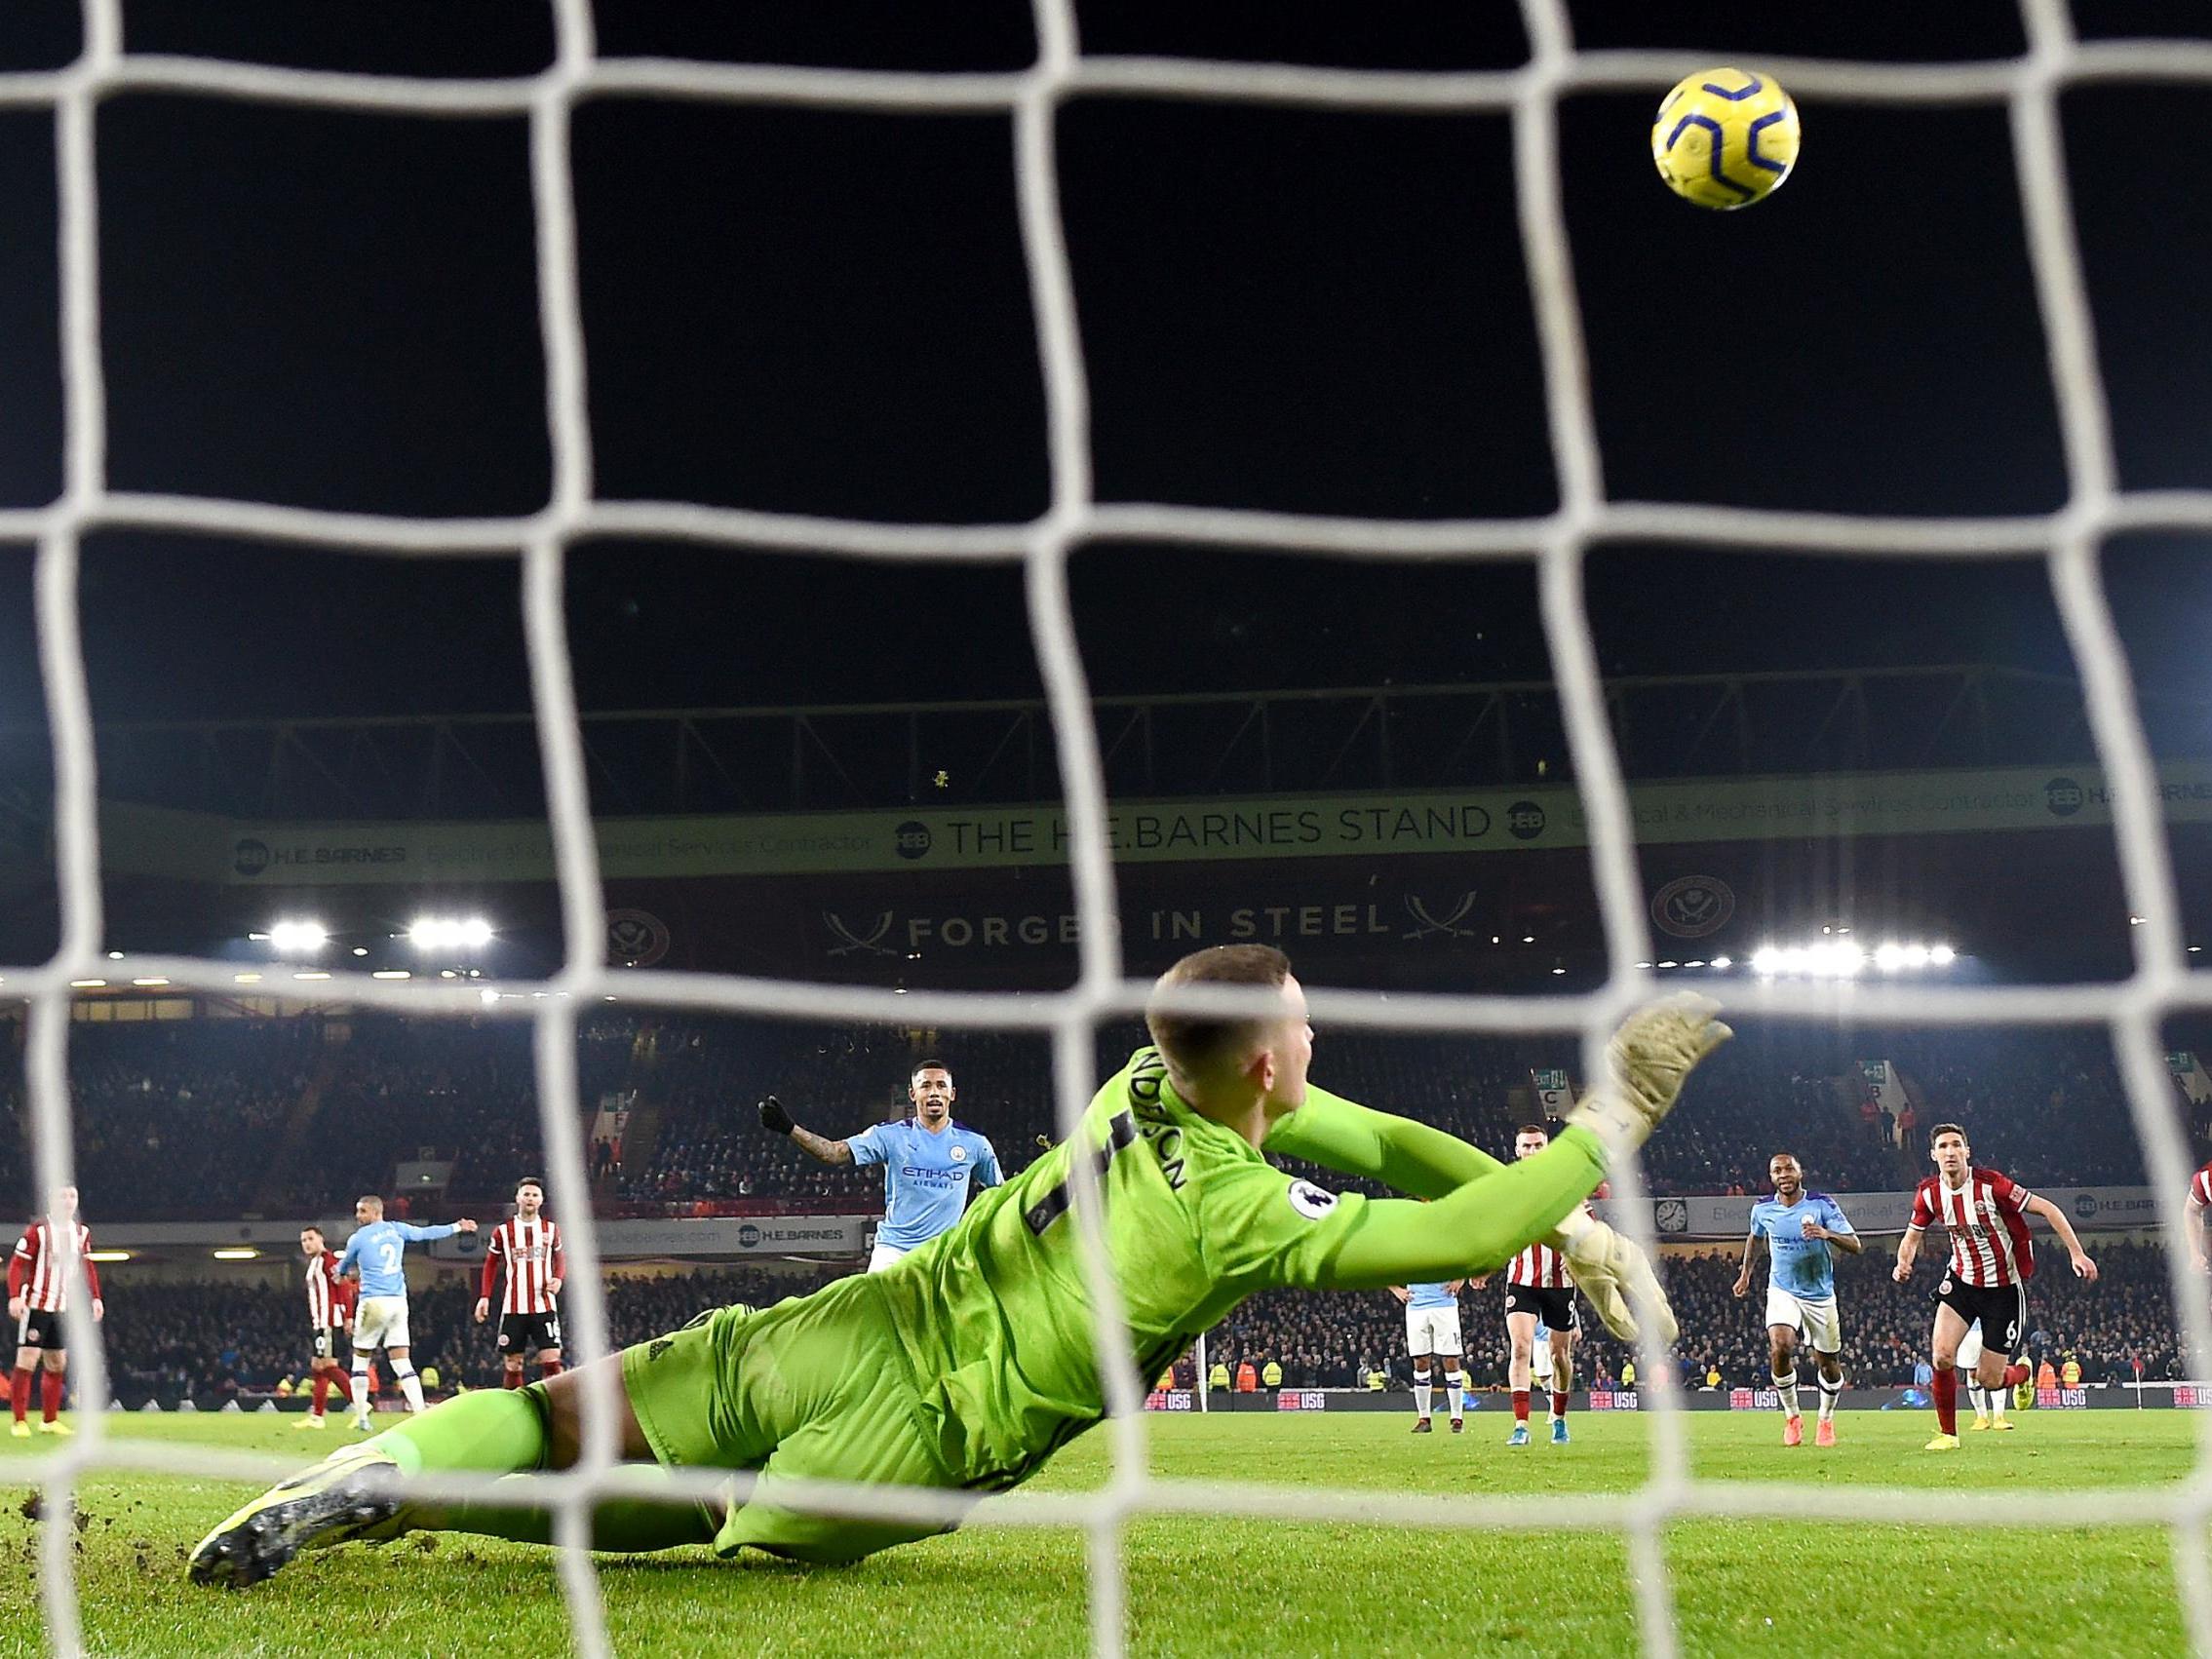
point(38, 1328)
point(323, 1341)
point(2002, 1310)
point(520, 1333)
point(1555, 1308)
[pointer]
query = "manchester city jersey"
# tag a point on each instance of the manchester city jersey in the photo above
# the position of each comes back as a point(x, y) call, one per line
point(926, 1176)
point(376, 1249)
point(1800, 1265)
point(1431, 1297)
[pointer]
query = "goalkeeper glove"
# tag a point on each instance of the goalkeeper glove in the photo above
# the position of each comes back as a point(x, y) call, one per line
point(1649, 1057)
point(1616, 1276)
point(773, 1118)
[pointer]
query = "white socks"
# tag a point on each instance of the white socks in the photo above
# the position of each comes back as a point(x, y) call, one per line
point(1830, 1393)
point(1424, 1395)
point(1787, 1388)
point(410, 1385)
point(1455, 1391)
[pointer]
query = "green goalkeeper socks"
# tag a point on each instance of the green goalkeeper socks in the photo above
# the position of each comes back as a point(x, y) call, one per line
point(623, 1526)
point(502, 1430)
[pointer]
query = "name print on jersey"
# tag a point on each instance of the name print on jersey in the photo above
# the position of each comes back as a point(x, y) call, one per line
point(1160, 1132)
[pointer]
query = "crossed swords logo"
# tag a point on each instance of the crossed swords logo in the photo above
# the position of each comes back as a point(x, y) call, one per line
point(872, 943)
point(1449, 926)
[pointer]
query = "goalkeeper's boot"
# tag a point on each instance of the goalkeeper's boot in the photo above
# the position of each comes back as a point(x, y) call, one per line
point(351, 1494)
point(1558, 1431)
point(55, 1426)
point(21, 1430)
point(1792, 1431)
point(1519, 1436)
point(1942, 1442)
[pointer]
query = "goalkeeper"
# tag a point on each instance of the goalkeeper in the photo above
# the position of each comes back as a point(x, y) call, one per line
point(967, 1366)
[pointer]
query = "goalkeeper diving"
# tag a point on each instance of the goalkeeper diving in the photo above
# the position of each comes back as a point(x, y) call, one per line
point(967, 1366)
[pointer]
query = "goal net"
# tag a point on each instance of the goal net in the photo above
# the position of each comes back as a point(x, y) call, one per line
point(2069, 540)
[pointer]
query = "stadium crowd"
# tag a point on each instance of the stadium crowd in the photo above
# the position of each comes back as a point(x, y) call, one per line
point(207, 1116)
point(189, 1116)
point(1335, 1339)
point(218, 1338)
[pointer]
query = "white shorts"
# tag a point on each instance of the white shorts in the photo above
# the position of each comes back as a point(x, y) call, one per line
point(380, 1322)
point(1432, 1331)
point(883, 1255)
point(1816, 1318)
point(1969, 1348)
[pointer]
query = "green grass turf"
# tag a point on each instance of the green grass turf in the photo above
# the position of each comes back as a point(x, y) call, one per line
point(1202, 1586)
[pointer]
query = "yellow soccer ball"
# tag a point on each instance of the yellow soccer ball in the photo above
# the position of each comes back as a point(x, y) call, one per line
point(1725, 137)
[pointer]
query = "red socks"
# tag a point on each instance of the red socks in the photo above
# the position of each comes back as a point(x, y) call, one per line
point(1519, 1405)
point(1558, 1404)
point(337, 1380)
point(1947, 1400)
point(509, 1376)
point(50, 1396)
point(322, 1392)
point(2015, 1375)
point(19, 1392)
point(548, 1368)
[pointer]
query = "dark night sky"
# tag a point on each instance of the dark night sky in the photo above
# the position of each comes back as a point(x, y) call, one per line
point(827, 312)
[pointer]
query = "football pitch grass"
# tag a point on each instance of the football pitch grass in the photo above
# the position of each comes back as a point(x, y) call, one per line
point(1209, 1586)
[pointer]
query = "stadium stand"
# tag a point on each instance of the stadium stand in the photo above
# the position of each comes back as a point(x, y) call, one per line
point(181, 1118)
point(1333, 1341)
point(217, 1338)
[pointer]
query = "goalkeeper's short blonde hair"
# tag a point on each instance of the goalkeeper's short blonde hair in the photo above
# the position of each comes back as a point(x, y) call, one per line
point(1195, 1043)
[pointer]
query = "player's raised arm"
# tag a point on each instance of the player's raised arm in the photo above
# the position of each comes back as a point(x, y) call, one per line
point(1754, 1246)
point(1353, 1140)
point(2083, 1267)
point(425, 1235)
point(776, 1121)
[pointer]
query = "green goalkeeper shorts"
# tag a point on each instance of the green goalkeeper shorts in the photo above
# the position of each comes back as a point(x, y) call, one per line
point(814, 1388)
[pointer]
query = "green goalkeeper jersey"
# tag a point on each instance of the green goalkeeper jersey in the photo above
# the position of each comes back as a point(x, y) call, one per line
point(995, 1318)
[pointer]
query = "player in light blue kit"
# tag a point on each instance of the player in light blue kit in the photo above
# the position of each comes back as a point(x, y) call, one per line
point(928, 1164)
point(1801, 1232)
point(380, 1320)
point(1432, 1327)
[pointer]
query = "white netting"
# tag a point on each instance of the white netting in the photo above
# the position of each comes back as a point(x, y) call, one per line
point(2069, 539)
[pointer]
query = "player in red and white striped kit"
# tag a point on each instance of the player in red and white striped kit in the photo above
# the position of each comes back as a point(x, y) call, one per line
point(330, 1315)
point(1992, 1260)
point(528, 1247)
point(2200, 1200)
point(1537, 1290)
point(38, 1290)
